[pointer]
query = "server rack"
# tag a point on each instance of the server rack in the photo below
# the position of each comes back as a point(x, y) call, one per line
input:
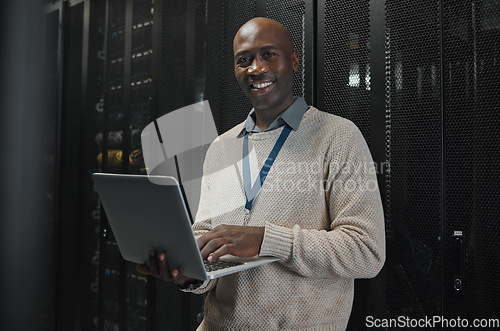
point(436, 117)
point(414, 248)
point(346, 87)
point(138, 67)
point(122, 301)
point(471, 258)
point(419, 97)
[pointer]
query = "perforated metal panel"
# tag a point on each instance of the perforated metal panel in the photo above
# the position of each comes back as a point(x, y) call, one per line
point(292, 14)
point(346, 62)
point(235, 105)
point(414, 122)
point(472, 54)
point(228, 103)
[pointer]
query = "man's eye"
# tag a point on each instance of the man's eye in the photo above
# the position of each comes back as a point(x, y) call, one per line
point(242, 60)
point(269, 54)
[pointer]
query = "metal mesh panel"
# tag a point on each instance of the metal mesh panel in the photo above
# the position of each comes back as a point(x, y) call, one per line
point(169, 308)
point(472, 48)
point(413, 241)
point(235, 105)
point(346, 63)
point(347, 90)
point(292, 15)
point(228, 103)
point(213, 54)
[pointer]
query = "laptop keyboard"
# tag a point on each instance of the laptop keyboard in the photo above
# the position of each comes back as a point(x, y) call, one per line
point(220, 264)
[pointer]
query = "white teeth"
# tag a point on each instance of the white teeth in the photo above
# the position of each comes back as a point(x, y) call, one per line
point(262, 85)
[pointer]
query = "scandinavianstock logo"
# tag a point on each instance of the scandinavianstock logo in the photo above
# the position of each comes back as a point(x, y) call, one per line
point(176, 145)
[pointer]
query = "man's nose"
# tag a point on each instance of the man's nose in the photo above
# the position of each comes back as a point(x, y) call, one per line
point(257, 67)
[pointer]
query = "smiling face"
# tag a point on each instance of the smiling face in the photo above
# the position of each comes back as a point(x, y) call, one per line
point(264, 63)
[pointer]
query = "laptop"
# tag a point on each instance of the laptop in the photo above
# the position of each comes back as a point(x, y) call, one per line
point(149, 212)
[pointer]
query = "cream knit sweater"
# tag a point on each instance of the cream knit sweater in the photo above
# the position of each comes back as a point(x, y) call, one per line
point(323, 218)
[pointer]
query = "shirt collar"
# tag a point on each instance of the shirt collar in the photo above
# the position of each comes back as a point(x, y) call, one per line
point(291, 116)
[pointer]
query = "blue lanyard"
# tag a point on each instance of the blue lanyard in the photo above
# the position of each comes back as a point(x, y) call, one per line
point(251, 192)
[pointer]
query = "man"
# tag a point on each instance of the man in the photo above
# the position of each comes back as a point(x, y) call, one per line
point(318, 210)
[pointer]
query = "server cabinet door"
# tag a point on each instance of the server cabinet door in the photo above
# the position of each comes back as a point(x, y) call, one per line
point(471, 287)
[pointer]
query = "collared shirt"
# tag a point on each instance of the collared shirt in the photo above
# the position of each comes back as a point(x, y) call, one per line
point(291, 116)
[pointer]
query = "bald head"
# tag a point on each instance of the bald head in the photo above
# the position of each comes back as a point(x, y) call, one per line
point(260, 24)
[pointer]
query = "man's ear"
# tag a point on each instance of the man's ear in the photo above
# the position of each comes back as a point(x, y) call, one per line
point(295, 60)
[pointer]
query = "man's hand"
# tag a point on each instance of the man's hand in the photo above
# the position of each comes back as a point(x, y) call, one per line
point(243, 241)
point(158, 267)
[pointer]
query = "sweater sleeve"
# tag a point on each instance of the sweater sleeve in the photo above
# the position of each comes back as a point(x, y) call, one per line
point(354, 246)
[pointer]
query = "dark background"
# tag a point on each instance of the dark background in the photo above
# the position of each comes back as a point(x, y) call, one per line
point(419, 78)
